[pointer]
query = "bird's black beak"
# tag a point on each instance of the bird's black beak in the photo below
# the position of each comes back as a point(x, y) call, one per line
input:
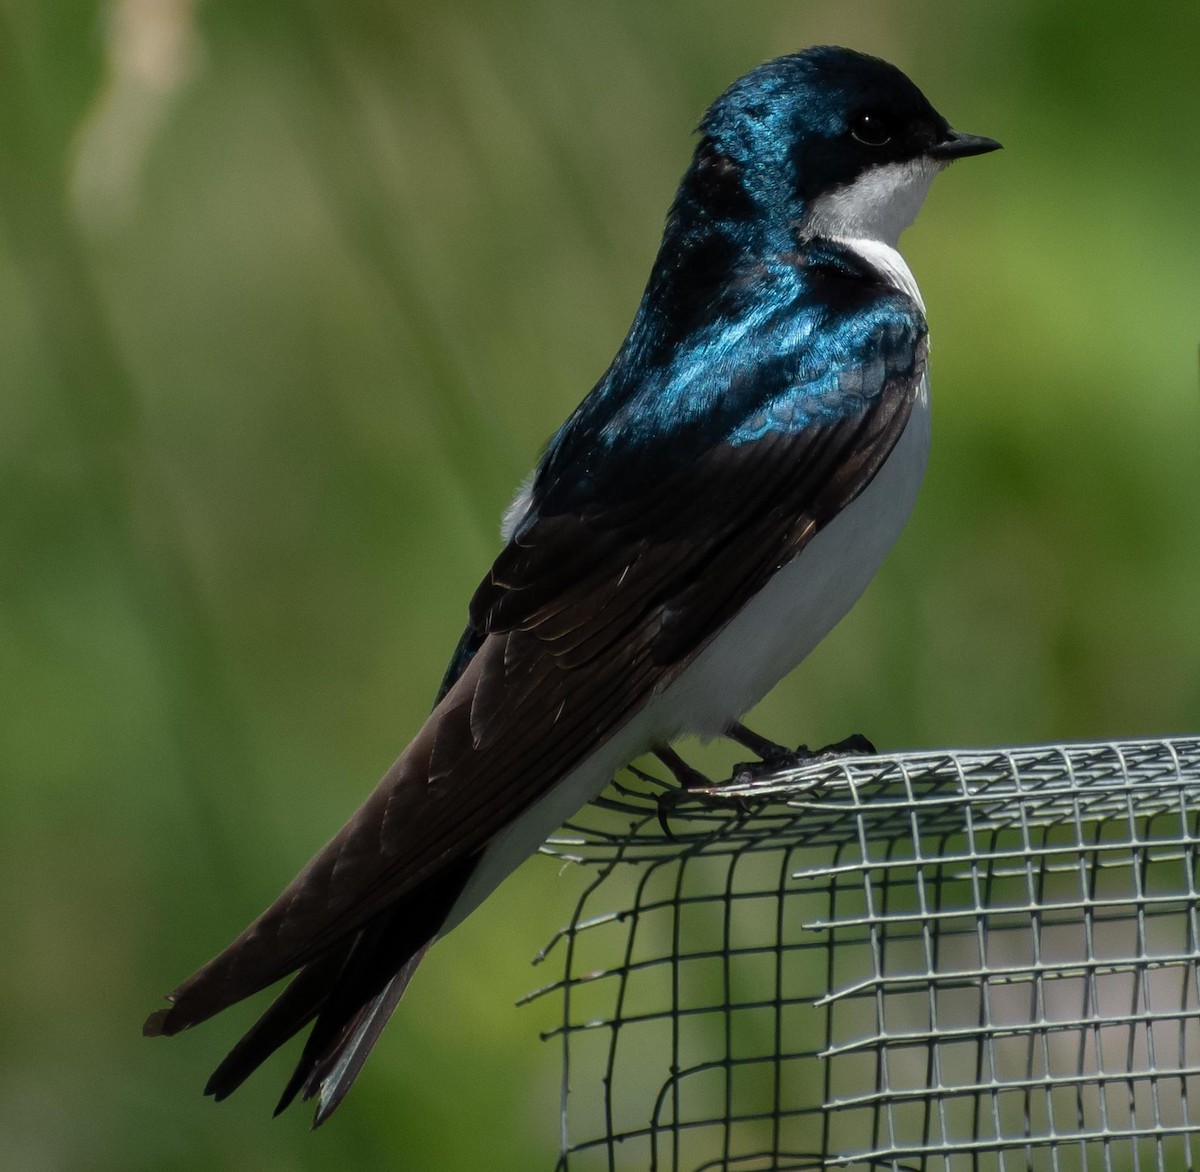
point(961, 146)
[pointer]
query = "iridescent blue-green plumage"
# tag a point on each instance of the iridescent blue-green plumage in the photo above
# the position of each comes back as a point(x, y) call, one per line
point(790, 342)
point(770, 372)
point(743, 329)
point(792, 345)
point(744, 325)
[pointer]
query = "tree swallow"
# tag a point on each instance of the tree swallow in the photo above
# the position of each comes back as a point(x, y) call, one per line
point(711, 509)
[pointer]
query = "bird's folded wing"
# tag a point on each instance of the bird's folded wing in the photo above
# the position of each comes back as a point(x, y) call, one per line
point(583, 617)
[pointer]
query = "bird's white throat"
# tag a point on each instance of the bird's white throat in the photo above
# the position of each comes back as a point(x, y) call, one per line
point(878, 205)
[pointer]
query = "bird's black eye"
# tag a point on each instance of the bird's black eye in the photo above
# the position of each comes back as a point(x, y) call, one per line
point(871, 129)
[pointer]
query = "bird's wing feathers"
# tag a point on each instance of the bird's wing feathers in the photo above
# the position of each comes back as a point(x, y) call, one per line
point(589, 611)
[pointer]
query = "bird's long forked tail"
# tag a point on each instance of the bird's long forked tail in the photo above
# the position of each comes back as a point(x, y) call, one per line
point(348, 993)
point(333, 1077)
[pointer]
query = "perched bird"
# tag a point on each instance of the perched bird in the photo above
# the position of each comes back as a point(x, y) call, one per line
point(711, 509)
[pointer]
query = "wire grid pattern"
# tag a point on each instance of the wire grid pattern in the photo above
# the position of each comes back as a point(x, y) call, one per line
point(939, 960)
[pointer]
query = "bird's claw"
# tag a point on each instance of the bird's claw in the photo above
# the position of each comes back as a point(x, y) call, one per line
point(665, 803)
point(854, 745)
point(748, 772)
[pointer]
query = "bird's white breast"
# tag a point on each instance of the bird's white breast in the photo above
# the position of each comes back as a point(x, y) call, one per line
point(805, 599)
point(770, 635)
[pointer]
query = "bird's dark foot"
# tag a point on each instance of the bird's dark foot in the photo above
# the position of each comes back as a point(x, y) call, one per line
point(668, 801)
point(687, 776)
point(765, 749)
point(854, 744)
point(775, 758)
point(690, 780)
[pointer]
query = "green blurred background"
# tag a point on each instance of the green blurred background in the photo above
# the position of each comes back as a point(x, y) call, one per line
point(290, 296)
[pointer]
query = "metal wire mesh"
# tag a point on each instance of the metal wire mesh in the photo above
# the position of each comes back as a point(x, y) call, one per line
point(952, 960)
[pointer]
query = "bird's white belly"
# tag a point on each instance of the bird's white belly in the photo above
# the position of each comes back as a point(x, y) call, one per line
point(771, 634)
point(805, 599)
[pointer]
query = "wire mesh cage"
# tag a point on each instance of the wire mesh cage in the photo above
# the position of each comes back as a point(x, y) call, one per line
point(944, 960)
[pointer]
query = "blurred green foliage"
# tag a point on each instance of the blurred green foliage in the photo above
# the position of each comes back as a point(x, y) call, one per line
point(290, 295)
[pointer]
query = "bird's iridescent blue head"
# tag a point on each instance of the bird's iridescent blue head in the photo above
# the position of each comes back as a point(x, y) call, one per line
point(827, 142)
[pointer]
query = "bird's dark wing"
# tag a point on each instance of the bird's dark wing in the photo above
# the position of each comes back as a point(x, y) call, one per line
point(587, 613)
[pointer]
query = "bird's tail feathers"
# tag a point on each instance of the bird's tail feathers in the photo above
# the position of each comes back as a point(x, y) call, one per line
point(287, 1015)
point(368, 985)
point(348, 992)
point(334, 1076)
